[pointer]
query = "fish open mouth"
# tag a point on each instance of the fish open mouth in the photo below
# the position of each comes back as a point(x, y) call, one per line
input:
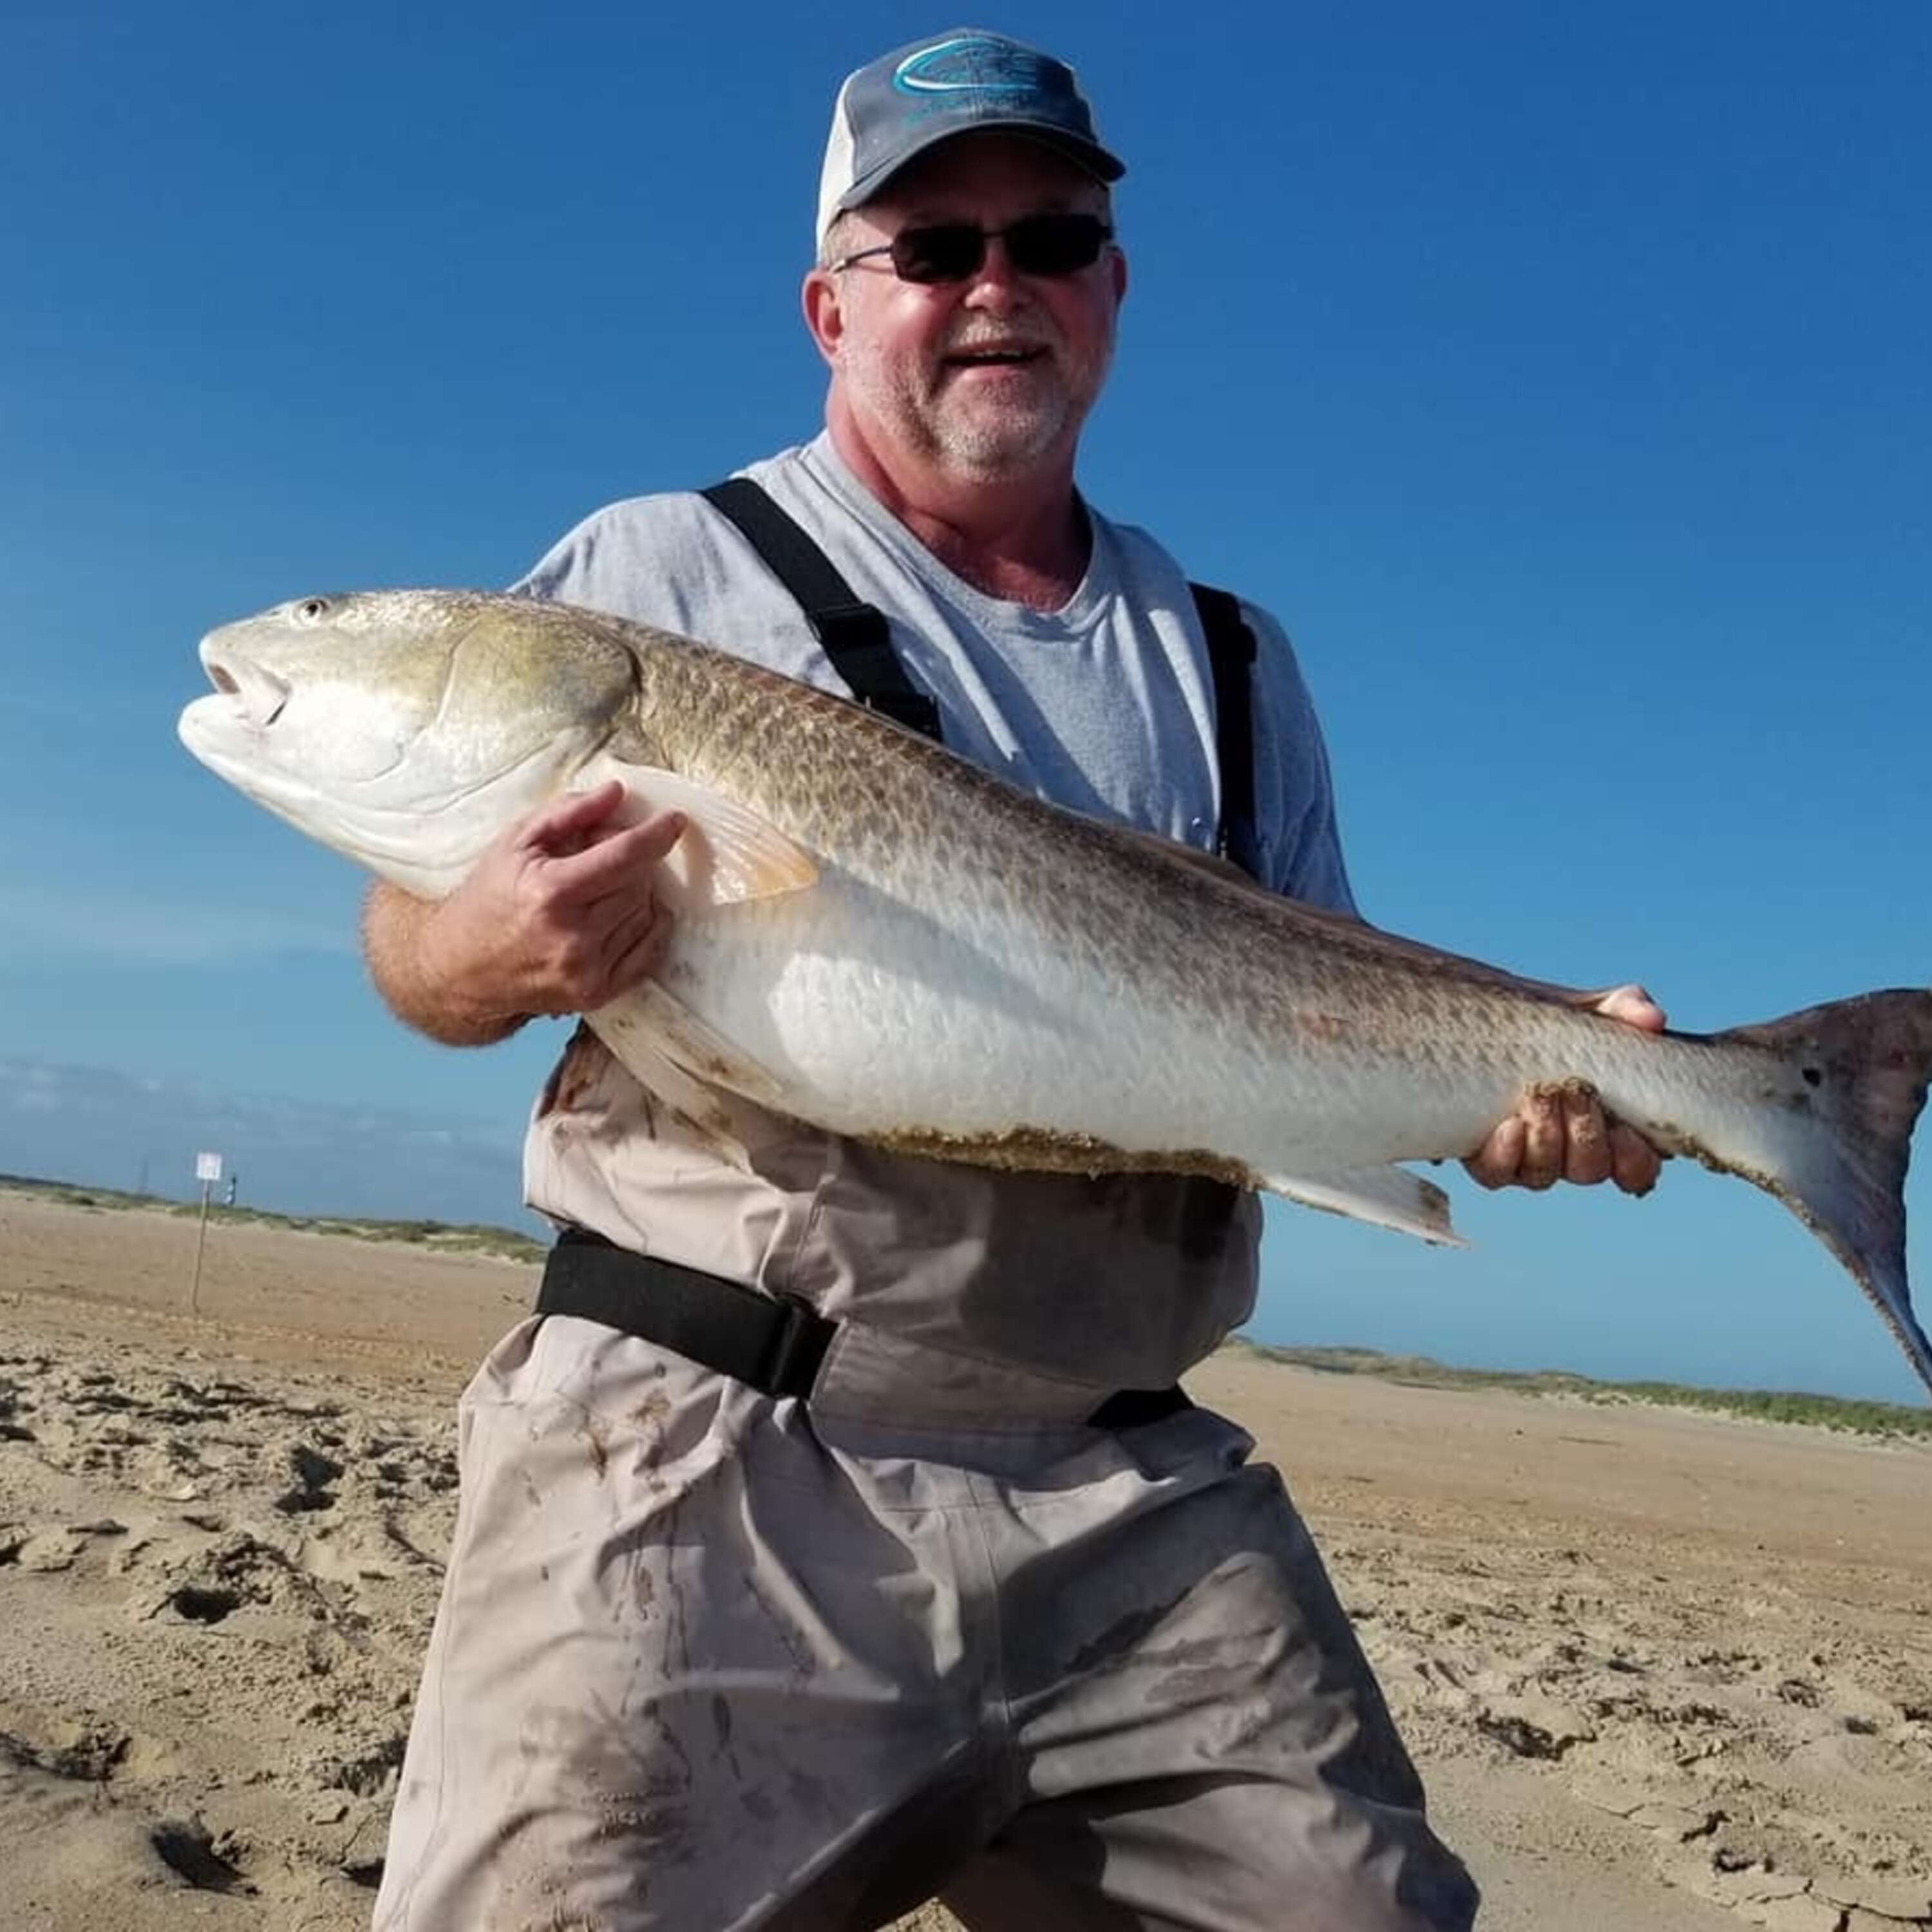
point(257, 695)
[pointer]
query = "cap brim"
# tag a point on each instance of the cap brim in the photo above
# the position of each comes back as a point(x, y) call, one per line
point(1088, 156)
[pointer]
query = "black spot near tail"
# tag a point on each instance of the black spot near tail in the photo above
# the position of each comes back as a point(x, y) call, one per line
point(1865, 1066)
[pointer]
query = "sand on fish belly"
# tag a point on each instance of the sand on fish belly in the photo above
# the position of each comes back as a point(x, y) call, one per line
point(1661, 1671)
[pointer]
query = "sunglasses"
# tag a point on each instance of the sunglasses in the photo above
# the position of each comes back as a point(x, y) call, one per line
point(950, 251)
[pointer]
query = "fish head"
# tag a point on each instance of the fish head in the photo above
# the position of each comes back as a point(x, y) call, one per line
point(405, 729)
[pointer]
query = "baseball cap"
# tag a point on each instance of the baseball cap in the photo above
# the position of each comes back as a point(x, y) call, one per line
point(904, 102)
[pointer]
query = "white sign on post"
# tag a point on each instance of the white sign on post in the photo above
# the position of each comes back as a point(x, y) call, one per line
point(207, 1169)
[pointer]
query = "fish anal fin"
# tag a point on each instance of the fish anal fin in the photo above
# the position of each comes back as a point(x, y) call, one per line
point(1388, 1197)
point(728, 854)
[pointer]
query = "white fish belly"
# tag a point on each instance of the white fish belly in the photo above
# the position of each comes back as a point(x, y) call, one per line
point(875, 1018)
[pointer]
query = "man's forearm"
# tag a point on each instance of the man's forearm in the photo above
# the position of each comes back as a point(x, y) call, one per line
point(396, 945)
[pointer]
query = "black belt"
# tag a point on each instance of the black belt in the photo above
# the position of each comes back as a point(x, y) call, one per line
point(772, 1343)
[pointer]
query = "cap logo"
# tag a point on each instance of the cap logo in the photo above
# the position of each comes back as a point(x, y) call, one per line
point(973, 64)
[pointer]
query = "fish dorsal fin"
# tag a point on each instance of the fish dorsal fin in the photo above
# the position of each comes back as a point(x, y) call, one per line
point(1389, 1197)
point(727, 855)
point(1212, 863)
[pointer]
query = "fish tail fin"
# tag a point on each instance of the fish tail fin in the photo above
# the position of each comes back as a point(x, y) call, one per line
point(1855, 1076)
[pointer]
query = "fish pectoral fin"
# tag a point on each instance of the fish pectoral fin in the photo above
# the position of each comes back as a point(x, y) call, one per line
point(1390, 1197)
point(727, 854)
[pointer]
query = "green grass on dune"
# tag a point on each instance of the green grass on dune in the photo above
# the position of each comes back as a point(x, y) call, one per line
point(446, 1238)
point(1847, 1414)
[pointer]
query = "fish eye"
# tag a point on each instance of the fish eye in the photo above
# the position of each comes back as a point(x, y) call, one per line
point(310, 609)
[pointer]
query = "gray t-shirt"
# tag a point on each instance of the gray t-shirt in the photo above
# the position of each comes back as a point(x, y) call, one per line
point(1106, 705)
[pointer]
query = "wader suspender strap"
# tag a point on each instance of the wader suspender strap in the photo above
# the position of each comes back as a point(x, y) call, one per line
point(857, 640)
point(855, 635)
point(1230, 655)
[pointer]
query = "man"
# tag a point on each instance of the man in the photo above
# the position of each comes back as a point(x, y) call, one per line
point(976, 1604)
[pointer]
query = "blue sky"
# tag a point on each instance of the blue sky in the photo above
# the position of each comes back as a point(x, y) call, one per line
point(1557, 372)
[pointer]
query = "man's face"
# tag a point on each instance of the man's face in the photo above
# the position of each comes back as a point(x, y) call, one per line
point(984, 378)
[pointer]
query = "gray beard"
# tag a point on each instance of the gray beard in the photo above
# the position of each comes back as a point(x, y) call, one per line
point(984, 446)
point(989, 450)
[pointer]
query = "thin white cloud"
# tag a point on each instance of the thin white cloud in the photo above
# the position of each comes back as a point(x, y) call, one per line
point(41, 926)
point(27, 1081)
point(96, 1124)
point(89, 710)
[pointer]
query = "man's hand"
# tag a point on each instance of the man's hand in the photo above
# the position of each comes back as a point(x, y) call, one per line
point(558, 916)
point(1561, 1133)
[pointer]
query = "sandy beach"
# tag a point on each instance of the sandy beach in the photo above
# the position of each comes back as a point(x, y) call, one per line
point(1663, 1672)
